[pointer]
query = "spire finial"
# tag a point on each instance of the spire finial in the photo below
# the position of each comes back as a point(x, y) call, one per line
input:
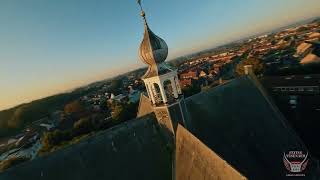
point(143, 14)
point(139, 2)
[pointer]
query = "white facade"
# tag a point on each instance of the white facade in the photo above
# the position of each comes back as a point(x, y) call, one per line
point(161, 89)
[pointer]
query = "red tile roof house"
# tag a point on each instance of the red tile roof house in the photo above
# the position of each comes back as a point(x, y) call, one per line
point(188, 75)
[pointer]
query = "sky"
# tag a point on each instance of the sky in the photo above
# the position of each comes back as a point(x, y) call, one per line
point(50, 46)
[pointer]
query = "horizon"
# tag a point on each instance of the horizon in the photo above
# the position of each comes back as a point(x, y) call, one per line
point(69, 41)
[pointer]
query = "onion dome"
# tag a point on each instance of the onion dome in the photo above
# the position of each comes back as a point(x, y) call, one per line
point(153, 51)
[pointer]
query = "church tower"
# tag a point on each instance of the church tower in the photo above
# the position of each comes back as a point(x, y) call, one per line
point(161, 81)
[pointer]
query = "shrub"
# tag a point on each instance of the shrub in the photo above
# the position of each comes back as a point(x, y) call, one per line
point(55, 138)
point(83, 126)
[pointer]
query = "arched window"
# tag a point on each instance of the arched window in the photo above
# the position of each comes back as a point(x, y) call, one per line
point(157, 93)
point(177, 85)
point(168, 90)
point(148, 90)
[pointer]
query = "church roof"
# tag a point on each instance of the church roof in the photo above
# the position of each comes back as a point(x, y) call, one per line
point(240, 123)
point(145, 106)
point(194, 160)
point(132, 150)
point(234, 132)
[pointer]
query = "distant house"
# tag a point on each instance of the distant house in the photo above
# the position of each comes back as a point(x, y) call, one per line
point(85, 98)
point(12, 140)
point(118, 98)
point(314, 36)
point(134, 96)
point(211, 75)
point(112, 96)
point(293, 85)
point(47, 126)
point(202, 74)
point(185, 82)
point(308, 52)
point(303, 49)
point(189, 75)
point(214, 71)
point(40, 121)
point(310, 58)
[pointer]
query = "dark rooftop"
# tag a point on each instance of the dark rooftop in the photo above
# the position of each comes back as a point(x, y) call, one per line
point(133, 150)
point(239, 122)
point(293, 80)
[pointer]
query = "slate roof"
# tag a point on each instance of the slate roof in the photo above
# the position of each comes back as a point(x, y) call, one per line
point(194, 160)
point(293, 80)
point(133, 150)
point(145, 106)
point(240, 123)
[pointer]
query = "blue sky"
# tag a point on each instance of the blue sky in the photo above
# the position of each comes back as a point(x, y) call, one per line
point(49, 46)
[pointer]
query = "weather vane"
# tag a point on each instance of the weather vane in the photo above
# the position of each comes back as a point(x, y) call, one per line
point(142, 11)
point(139, 2)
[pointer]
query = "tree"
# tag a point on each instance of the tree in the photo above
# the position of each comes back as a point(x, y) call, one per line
point(258, 66)
point(123, 111)
point(55, 138)
point(74, 107)
point(34, 111)
point(16, 119)
point(83, 126)
point(302, 28)
point(117, 111)
point(116, 85)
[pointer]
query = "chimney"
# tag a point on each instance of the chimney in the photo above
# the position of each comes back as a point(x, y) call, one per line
point(248, 70)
